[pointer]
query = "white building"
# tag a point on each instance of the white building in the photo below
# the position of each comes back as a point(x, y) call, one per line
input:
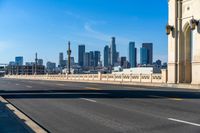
point(183, 31)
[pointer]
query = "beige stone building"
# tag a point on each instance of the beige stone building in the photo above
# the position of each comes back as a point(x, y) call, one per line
point(183, 31)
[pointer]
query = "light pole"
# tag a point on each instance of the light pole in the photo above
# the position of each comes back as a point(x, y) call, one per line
point(69, 57)
point(36, 60)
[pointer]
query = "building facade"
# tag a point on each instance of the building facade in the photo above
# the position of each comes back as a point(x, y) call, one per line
point(40, 62)
point(19, 61)
point(86, 59)
point(106, 56)
point(143, 56)
point(51, 67)
point(97, 58)
point(81, 53)
point(91, 59)
point(183, 31)
point(113, 52)
point(149, 47)
point(62, 63)
point(132, 54)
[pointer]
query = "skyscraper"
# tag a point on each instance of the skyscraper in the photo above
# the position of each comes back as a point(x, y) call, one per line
point(86, 58)
point(97, 57)
point(61, 58)
point(149, 47)
point(122, 61)
point(132, 54)
point(106, 56)
point(72, 61)
point(19, 60)
point(143, 56)
point(113, 52)
point(91, 59)
point(81, 53)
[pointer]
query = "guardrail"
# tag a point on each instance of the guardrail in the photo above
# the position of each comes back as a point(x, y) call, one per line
point(141, 78)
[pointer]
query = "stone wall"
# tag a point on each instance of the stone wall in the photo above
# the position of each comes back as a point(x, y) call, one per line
point(127, 78)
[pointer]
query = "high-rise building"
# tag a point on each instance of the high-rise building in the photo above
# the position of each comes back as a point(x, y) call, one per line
point(91, 59)
point(122, 61)
point(40, 62)
point(113, 52)
point(19, 60)
point(86, 58)
point(143, 56)
point(132, 55)
point(81, 53)
point(72, 61)
point(61, 58)
point(117, 57)
point(97, 58)
point(106, 56)
point(149, 47)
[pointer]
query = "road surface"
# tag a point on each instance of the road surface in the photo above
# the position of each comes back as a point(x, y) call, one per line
point(71, 107)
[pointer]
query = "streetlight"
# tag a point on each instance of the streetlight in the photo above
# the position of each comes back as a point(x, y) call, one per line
point(69, 57)
point(193, 23)
point(169, 29)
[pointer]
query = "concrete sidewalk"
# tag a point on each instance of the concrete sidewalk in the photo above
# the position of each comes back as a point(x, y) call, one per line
point(13, 120)
point(9, 123)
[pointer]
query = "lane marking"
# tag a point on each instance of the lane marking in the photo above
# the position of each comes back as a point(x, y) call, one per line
point(90, 100)
point(29, 86)
point(91, 88)
point(17, 84)
point(170, 98)
point(176, 99)
point(185, 122)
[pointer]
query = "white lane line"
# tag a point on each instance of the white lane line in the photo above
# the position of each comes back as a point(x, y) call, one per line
point(17, 84)
point(90, 100)
point(185, 122)
point(29, 86)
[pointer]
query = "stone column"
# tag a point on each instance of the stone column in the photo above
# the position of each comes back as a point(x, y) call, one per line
point(180, 46)
point(172, 42)
point(164, 75)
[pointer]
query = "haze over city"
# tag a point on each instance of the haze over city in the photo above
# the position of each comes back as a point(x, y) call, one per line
point(31, 26)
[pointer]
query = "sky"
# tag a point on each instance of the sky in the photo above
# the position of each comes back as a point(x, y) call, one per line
point(45, 27)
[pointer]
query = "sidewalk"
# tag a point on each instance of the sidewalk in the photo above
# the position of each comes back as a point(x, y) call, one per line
point(9, 123)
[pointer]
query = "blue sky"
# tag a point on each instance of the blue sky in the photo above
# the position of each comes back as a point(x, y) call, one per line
point(45, 26)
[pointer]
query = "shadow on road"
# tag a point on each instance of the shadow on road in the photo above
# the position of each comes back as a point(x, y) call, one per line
point(10, 122)
point(109, 94)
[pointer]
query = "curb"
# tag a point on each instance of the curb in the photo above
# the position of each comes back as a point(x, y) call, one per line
point(28, 123)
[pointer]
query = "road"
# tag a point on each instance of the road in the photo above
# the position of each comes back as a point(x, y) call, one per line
point(70, 107)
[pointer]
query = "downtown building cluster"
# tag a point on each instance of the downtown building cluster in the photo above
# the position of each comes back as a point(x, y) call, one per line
point(90, 61)
point(18, 67)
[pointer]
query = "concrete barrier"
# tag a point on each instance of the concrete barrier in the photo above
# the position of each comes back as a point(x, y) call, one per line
point(141, 78)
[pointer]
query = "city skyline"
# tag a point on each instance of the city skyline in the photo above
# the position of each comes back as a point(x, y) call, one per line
point(59, 22)
point(105, 57)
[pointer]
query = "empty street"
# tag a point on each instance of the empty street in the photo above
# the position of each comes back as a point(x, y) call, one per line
point(72, 107)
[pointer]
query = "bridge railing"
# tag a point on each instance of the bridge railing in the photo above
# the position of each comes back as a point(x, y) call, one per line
point(141, 78)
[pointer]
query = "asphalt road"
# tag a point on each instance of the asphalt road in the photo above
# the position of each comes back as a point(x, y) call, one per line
point(67, 107)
